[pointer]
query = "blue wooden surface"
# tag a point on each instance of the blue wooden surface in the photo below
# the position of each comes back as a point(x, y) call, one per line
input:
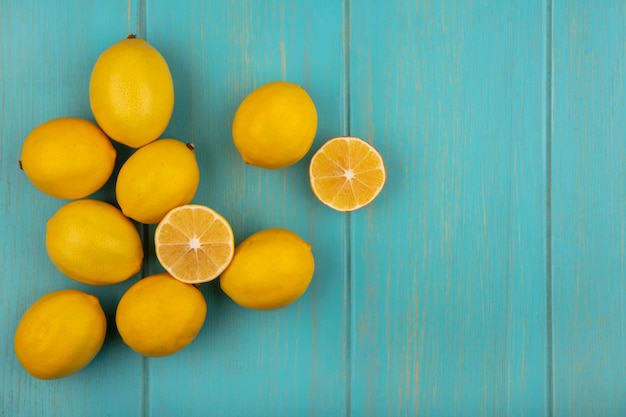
point(487, 279)
point(449, 268)
point(589, 208)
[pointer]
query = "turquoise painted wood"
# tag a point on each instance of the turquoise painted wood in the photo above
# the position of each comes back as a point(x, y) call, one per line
point(486, 280)
point(588, 206)
point(290, 361)
point(46, 55)
point(449, 266)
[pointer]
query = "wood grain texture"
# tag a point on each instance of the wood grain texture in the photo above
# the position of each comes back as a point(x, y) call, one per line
point(449, 265)
point(46, 56)
point(290, 361)
point(589, 202)
point(487, 279)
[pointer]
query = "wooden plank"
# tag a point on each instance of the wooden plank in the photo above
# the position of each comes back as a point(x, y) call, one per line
point(588, 206)
point(449, 265)
point(285, 362)
point(46, 56)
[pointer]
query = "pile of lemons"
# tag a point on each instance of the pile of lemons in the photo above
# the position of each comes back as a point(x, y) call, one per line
point(97, 243)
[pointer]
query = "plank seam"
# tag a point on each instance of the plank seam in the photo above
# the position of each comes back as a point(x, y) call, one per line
point(140, 29)
point(145, 391)
point(549, 283)
point(141, 19)
point(350, 304)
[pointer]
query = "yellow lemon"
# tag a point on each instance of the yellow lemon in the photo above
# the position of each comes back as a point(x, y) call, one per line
point(275, 125)
point(60, 334)
point(131, 92)
point(160, 315)
point(68, 157)
point(157, 178)
point(270, 269)
point(92, 242)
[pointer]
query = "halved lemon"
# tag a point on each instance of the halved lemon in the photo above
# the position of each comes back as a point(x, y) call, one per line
point(194, 243)
point(347, 173)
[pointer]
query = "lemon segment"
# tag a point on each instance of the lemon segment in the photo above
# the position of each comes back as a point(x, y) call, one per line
point(347, 173)
point(194, 243)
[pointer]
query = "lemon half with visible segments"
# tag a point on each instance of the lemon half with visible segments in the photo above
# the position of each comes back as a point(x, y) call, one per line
point(347, 173)
point(194, 243)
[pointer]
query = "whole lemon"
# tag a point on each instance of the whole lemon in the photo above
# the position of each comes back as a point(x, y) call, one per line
point(60, 334)
point(92, 242)
point(160, 315)
point(275, 125)
point(157, 178)
point(270, 269)
point(68, 157)
point(131, 92)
